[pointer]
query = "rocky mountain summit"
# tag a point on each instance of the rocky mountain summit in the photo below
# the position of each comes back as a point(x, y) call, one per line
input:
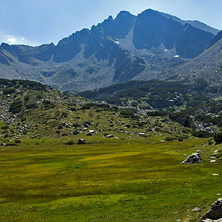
point(143, 47)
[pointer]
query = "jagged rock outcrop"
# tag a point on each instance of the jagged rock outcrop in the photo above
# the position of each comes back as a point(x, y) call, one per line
point(193, 158)
point(214, 213)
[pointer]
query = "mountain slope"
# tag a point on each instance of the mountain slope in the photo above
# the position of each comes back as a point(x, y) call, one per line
point(78, 62)
point(128, 47)
point(207, 66)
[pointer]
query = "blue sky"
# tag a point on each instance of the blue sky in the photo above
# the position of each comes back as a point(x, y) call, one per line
point(36, 22)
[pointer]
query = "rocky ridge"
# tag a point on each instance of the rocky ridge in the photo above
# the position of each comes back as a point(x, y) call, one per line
point(146, 46)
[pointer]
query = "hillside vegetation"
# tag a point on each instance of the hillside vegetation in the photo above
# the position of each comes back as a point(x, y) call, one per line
point(129, 168)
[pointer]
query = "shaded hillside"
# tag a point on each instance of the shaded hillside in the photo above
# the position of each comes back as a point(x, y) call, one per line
point(153, 94)
point(30, 110)
point(183, 102)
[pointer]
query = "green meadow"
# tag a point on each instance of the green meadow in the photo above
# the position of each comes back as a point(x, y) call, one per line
point(110, 181)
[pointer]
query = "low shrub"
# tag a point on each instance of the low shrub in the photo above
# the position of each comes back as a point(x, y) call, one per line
point(16, 106)
point(218, 138)
point(69, 143)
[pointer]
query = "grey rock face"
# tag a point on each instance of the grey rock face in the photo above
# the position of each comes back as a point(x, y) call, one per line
point(206, 66)
point(193, 158)
point(215, 211)
point(129, 47)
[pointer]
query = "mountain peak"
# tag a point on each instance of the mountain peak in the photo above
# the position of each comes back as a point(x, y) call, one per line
point(112, 51)
point(110, 18)
point(150, 11)
point(124, 14)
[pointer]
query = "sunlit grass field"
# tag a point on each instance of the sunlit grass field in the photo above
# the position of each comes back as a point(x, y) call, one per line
point(115, 181)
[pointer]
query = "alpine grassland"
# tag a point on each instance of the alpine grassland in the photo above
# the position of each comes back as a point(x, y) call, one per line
point(111, 181)
point(127, 169)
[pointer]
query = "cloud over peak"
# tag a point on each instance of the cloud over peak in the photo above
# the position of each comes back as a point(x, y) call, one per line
point(15, 40)
point(12, 40)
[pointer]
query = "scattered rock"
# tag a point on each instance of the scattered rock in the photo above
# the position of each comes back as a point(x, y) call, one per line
point(76, 125)
point(209, 220)
point(81, 141)
point(165, 120)
point(109, 136)
point(196, 209)
point(193, 158)
point(86, 125)
point(215, 211)
point(60, 127)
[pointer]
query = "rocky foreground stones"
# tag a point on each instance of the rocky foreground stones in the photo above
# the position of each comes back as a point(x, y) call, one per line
point(214, 213)
point(209, 220)
point(81, 141)
point(193, 158)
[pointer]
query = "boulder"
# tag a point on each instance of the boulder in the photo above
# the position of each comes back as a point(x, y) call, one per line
point(193, 158)
point(196, 209)
point(215, 211)
point(109, 136)
point(88, 123)
point(60, 127)
point(81, 141)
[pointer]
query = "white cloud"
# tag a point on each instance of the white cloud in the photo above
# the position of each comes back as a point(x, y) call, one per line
point(13, 40)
